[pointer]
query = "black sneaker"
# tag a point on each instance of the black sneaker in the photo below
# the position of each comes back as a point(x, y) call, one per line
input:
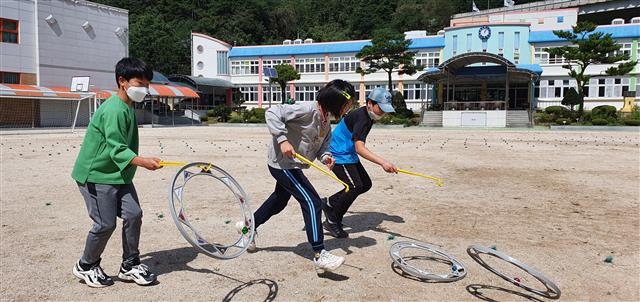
point(94, 277)
point(335, 229)
point(140, 274)
point(329, 213)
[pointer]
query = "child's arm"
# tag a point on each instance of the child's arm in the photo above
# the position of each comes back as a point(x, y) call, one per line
point(362, 150)
point(149, 163)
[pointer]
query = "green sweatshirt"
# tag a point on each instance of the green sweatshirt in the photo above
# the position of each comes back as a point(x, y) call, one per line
point(109, 145)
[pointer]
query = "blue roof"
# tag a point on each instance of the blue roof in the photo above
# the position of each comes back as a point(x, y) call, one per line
point(323, 48)
point(617, 32)
point(535, 68)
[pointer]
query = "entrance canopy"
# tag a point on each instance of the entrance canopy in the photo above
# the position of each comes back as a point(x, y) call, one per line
point(481, 66)
point(22, 91)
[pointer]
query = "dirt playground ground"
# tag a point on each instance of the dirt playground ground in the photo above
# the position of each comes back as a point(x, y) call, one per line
point(559, 201)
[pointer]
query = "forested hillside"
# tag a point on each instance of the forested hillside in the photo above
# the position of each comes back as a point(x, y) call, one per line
point(160, 30)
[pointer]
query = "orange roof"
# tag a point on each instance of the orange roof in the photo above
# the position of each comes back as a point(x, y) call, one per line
point(33, 91)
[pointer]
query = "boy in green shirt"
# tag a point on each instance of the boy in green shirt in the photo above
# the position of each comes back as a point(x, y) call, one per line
point(104, 173)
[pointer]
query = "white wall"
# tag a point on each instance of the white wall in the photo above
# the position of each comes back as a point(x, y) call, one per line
point(67, 50)
point(497, 118)
point(204, 58)
point(19, 57)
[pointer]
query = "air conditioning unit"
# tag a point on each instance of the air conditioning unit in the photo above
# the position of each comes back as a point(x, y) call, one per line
point(617, 21)
point(297, 41)
point(286, 42)
point(635, 20)
point(308, 41)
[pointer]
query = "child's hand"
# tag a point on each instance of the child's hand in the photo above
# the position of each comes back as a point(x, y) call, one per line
point(329, 161)
point(389, 167)
point(149, 163)
point(287, 149)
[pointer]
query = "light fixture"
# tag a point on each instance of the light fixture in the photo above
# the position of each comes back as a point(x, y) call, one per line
point(86, 25)
point(50, 19)
point(119, 31)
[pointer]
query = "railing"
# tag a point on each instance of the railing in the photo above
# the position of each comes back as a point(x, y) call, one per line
point(479, 105)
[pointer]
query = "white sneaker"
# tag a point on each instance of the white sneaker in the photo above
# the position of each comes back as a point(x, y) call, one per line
point(326, 261)
point(251, 248)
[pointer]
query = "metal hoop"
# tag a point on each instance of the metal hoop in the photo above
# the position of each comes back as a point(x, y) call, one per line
point(458, 270)
point(189, 232)
point(552, 292)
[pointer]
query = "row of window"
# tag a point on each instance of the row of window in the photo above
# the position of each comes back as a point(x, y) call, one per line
point(597, 88)
point(540, 56)
point(318, 65)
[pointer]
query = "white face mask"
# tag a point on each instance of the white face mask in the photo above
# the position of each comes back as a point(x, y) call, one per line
point(373, 115)
point(137, 94)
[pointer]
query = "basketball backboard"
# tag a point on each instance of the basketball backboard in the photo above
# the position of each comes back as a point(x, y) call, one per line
point(79, 84)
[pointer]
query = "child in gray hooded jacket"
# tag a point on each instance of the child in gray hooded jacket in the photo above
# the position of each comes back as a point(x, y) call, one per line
point(303, 128)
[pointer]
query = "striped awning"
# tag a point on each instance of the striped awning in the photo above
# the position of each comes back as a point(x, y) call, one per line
point(42, 92)
point(37, 92)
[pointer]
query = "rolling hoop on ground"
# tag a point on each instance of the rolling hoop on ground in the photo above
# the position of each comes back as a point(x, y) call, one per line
point(552, 291)
point(458, 271)
point(205, 203)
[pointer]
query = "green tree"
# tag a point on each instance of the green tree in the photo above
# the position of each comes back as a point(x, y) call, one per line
point(571, 98)
point(286, 73)
point(388, 52)
point(589, 47)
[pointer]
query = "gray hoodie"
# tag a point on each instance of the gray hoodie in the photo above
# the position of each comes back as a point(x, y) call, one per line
point(301, 125)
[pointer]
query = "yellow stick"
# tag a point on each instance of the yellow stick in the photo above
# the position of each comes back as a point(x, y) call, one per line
point(173, 163)
point(437, 180)
point(302, 158)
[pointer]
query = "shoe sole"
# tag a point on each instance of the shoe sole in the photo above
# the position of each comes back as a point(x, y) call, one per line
point(87, 282)
point(136, 280)
point(321, 270)
point(336, 235)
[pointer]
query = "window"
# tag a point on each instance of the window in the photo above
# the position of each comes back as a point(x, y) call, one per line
point(273, 62)
point(455, 44)
point(427, 59)
point(415, 91)
point(9, 77)
point(9, 30)
point(554, 89)
point(608, 87)
point(468, 42)
point(244, 67)
point(543, 57)
point(500, 42)
point(276, 95)
point(310, 65)
point(368, 88)
point(306, 92)
point(343, 64)
point(249, 93)
point(223, 65)
point(560, 19)
point(625, 48)
point(516, 41)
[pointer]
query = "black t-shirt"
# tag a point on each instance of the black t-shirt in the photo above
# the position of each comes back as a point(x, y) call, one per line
point(359, 124)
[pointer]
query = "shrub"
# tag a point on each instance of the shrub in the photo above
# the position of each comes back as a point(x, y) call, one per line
point(255, 120)
point(541, 117)
point(635, 113)
point(632, 122)
point(563, 121)
point(235, 120)
point(604, 112)
point(392, 119)
point(599, 122)
point(557, 111)
point(586, 115)
point(255, 115)
point(204, 118)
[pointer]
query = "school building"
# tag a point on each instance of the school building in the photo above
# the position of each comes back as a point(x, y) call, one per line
point(488, 68)
point(48, 44)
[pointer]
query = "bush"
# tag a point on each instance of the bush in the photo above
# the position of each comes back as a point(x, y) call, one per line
point(563, 121)
point(599, 122)
point(220, 111)
point(235, 120)
point(586, 116)
point(604, 112)
point(393, 119)
point(541, 117)
point(557, 111)
point(632, 122)
point(204, 118)
point(255, 115)
point(404, 112)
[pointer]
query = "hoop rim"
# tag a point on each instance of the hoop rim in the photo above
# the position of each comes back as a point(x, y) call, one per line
point(458, 271)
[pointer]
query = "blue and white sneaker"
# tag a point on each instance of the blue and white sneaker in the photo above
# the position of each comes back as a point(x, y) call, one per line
point(140, 274)
point(94, 277)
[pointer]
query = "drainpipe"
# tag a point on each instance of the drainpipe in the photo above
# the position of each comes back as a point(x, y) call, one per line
point(37, 42)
